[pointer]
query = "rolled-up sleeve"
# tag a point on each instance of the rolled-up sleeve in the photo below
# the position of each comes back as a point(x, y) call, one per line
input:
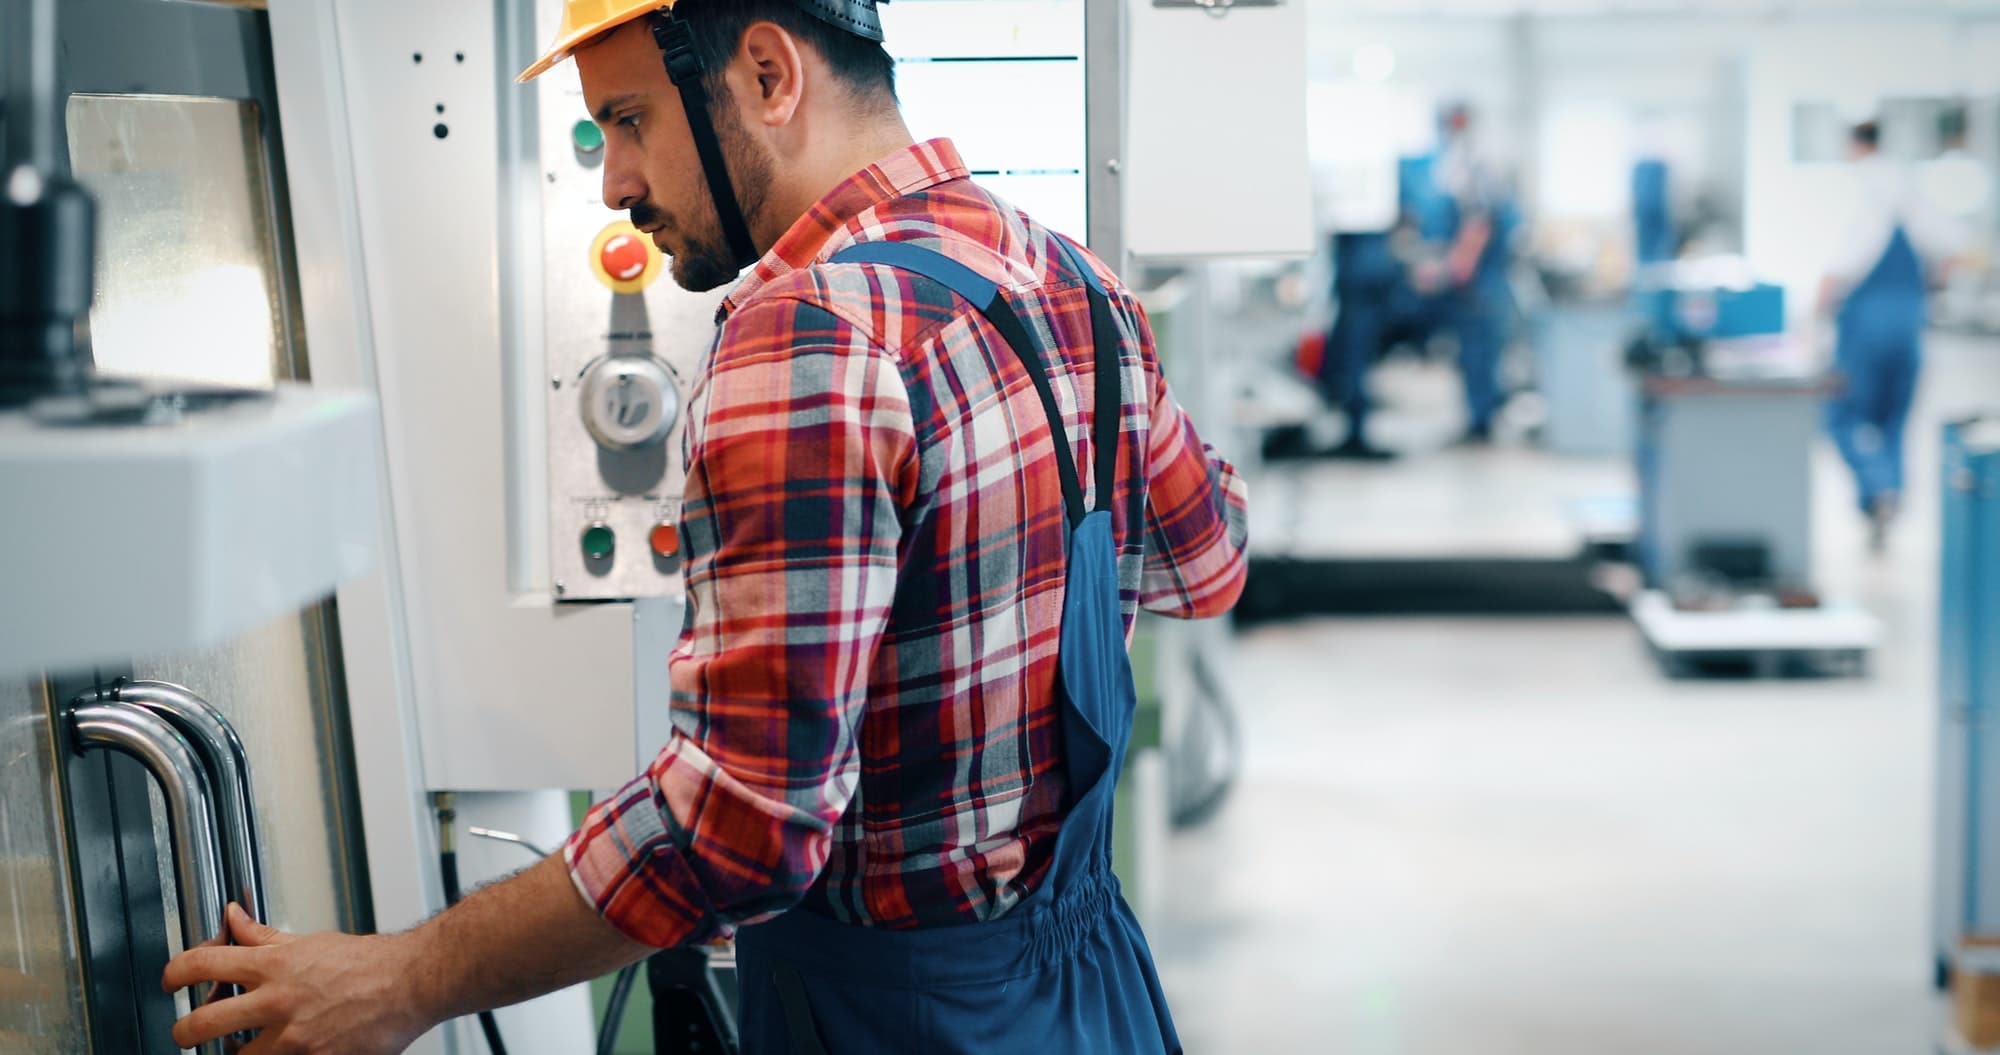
point(1197, 517)
point(801, 456)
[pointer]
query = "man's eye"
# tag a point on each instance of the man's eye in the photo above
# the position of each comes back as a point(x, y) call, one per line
point(629, 120)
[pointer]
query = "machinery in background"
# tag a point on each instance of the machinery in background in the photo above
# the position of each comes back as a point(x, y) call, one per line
point(162, 529)
point(1730, 409)
point(1967, 872)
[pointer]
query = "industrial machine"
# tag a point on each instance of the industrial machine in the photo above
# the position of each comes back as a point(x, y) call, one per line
point(1730, 408)
point(180, 506)
point(1968, 841)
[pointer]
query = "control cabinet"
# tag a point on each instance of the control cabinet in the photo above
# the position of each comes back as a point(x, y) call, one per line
point(623, 344)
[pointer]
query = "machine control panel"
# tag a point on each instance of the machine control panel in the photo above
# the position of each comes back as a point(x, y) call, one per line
point(623, 346)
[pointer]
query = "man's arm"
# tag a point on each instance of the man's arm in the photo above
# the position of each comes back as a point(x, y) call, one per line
point(1466, 250)
point(802, 456)
point(372, 995)
point(1197, 511)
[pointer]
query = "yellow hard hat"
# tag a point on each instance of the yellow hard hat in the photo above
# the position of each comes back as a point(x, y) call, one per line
point(584, 19)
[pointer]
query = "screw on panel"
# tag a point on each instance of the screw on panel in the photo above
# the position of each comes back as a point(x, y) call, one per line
point(417, 58)
point(460, 56)
point(560, 588)
point(556, 382)
point(1112, 166)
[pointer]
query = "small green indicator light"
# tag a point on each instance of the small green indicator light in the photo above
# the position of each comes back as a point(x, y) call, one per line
point(589, 138)
point(598, 542)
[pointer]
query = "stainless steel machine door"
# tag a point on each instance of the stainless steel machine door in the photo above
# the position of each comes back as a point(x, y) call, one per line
point(173, 123)
point(42, 1007)
point(89, 903)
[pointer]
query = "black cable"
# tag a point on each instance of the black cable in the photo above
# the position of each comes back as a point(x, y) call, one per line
point(614, 1009)
point(448, 867)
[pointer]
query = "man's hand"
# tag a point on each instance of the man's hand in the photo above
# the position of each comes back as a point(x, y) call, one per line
point(337, 994)
point(327, 994)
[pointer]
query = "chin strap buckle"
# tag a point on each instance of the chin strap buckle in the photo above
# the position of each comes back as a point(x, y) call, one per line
point(676, 45)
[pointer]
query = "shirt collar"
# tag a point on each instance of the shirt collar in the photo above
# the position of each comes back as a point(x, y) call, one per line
point(912, 170)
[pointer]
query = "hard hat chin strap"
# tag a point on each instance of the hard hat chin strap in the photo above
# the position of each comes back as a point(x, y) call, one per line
point(684, 69)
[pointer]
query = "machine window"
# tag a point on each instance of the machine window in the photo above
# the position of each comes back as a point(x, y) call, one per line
point(188, 287)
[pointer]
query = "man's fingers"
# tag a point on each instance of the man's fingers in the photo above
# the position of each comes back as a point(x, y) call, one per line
point(212, 963)
point(254, 1010)
point(249, 932)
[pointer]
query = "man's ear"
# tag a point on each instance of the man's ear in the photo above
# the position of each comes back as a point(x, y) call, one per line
point(772, 70)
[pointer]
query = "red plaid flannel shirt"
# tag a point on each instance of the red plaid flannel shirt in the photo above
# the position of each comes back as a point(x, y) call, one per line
point(864, 695)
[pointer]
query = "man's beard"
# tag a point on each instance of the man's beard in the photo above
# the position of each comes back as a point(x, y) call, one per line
point(704, 260)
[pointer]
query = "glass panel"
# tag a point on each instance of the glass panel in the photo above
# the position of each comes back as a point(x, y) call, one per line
point(41, 984)
point(187, 279)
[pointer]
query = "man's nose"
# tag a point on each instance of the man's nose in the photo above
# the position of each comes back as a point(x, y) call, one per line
point(622, 186)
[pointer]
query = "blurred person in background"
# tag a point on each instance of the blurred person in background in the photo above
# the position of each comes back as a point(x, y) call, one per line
point(1366, 273)
point(1481, 223)
point(1888, 254)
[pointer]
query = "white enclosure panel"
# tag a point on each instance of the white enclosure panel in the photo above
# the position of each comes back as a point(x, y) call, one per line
point(1217, 162)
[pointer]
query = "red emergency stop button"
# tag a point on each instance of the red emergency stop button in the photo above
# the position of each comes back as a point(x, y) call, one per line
point(624, 258)
point(665, 539)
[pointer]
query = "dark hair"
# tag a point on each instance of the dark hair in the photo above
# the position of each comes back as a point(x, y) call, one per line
point(717, 28)
point(1867, 134)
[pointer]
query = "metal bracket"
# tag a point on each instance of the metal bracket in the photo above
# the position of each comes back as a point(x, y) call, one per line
point(1218, 8)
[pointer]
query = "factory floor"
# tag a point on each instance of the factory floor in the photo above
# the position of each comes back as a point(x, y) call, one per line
point(1494, 836)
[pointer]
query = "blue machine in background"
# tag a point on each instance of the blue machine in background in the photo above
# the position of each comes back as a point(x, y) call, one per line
point(1681, 313)
point(1968, 844)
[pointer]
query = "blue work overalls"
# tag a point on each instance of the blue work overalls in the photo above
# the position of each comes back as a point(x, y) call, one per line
point(1878, 352)
point(1482, 313)
point(1365, 274)
point(1067, 971)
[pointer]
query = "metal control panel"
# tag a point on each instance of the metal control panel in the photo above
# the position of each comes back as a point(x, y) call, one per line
point(623, 345)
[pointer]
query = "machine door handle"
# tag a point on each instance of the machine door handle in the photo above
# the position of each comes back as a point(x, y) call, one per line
point(228, 766)
point(190, 819)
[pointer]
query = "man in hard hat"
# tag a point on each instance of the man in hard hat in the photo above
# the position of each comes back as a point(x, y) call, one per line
point(933, 473)
point(1878, 288)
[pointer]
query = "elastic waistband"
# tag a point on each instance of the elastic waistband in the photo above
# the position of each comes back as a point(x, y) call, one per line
point(1018, 944)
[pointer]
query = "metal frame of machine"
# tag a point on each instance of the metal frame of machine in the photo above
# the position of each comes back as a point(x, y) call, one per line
point(245, 618)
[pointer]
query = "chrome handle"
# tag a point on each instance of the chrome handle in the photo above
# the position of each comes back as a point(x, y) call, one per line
point(228, 765)
point(197, 853)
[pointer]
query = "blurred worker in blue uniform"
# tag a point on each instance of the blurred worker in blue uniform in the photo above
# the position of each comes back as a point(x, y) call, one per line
point(1365, 276)
point(1877, 287)
point(1480, 219)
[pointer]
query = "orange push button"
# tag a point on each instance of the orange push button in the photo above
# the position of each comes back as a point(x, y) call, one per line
point(665, 539)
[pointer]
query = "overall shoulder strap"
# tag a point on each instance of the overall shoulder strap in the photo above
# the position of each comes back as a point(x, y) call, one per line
point(1110, 377)
point(985, 297)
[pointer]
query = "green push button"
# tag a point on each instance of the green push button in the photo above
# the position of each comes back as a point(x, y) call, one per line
point(598, 542)
point(588, 137)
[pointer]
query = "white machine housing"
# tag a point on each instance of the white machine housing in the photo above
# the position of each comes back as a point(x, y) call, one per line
point(226, 518)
